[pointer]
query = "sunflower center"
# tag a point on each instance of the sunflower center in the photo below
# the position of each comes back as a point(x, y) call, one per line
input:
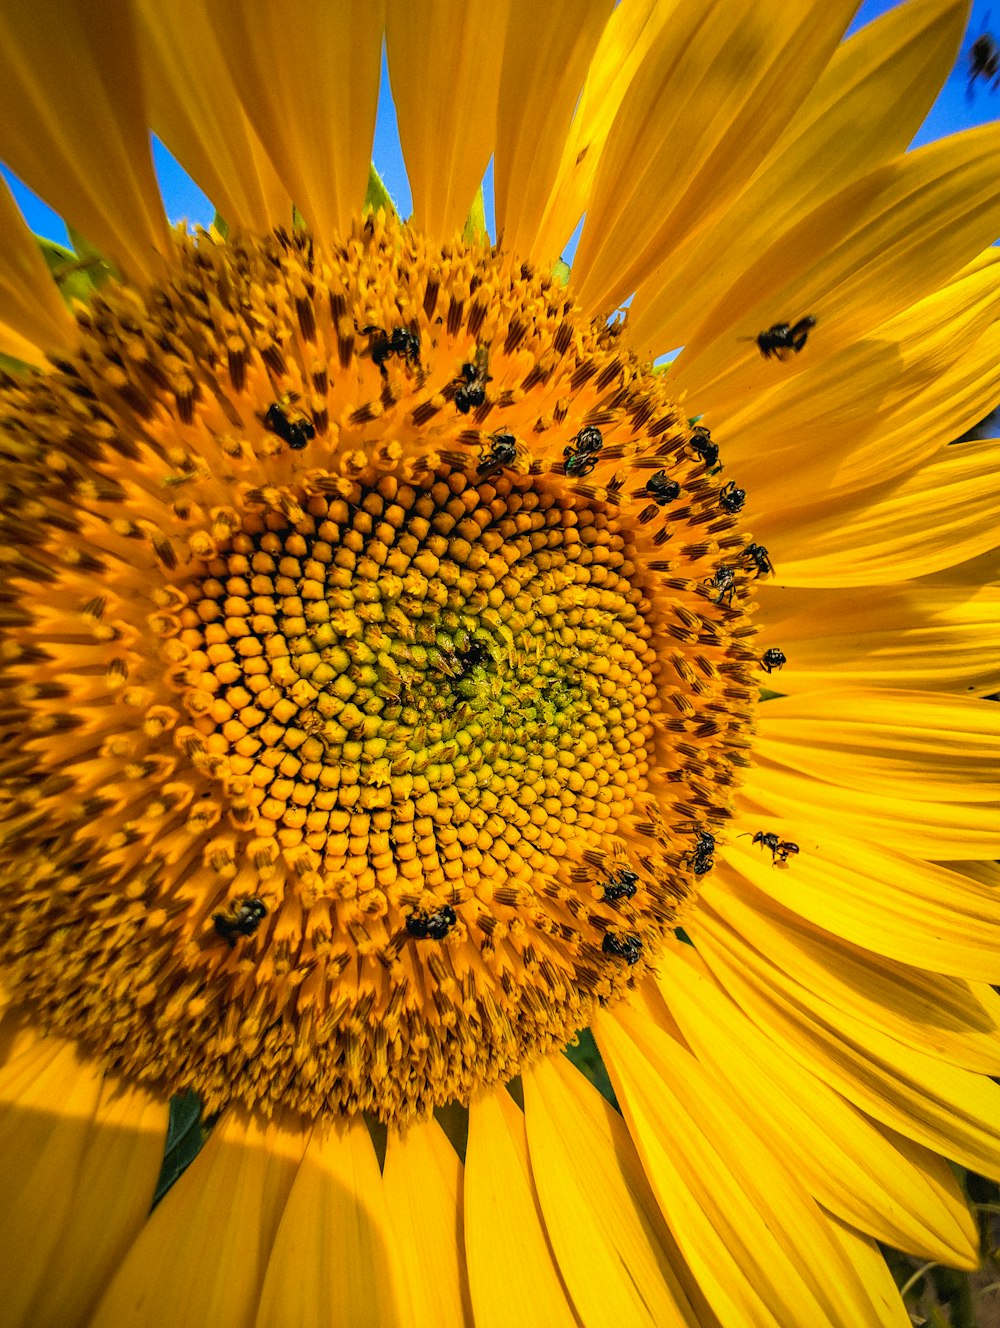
point(388, 681)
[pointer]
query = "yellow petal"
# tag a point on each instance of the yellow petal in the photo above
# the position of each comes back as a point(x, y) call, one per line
point(33, 318)
point(307, 73)
point(423, 1189)
point(719, 83)
point(944, 1016)
point(919, 913)
point(927, 520)
point(111, 1199)
point(865, 108)
point(626, 38)
point(756, 1242)
point(73, 124)
point(512, 1271)
point(947, 1109)
point(444, 66)
point(331, 1262)
point(620, 1267)
point(914, 635)
point(847, 1164)
point(200, 1258)
point(874, 1272)
point(547, 53)
point(859, 259)
point(926, 744)
point(872, 411)
point(195, 111)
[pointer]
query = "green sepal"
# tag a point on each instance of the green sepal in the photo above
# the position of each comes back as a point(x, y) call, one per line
point(682, 936)
point(377, 196)
point(583, 1053)
point(186, 1135)
point(560, 273)
point(16, 368)
point(474, 231)
point(221, 225)
point(98, 268)
point(77, 273)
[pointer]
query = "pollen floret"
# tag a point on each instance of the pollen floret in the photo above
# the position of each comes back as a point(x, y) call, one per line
point(376, 659)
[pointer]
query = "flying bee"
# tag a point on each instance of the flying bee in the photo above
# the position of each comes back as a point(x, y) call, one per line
point(984, 63)
point(243, 919)
point(780, 338)
point(760, 558)
point(400, 341)
point(295, 432)
point(471, 391)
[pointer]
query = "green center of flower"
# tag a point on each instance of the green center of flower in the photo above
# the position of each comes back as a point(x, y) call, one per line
point(387, 683)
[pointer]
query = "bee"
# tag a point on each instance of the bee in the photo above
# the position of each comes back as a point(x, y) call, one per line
point(503, 453)
point(724, 581)
point(471, 392)
point(784, 850)
point(432, 926)
point(731, 499)
point(772, 659)
point(984, 63)
point(243, 919)
point(782, 337)
point(296, 433)
point(702, 446)
point(582, 458)
point(621, 886)
point(401, 341)
point(662, 490)
point(760, 558)
point(625, 947)
point(701, 859)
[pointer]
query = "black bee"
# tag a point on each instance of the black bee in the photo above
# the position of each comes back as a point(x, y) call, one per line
point(432, 926)
point(296, 433)
point(760, 558)
point(782, 337)
point(625, 947)
point(662, 490)
point(621, 886)
point(732, 499)
point(471, 392)
point(581, 455)
point(702, 445)
point(984, 63)
point(503, 453)
point(242, 920)
point(724, 581)
point(766, 839)
point(772, 659)
point(784, 849)
point(401, 341)
point(701, 857)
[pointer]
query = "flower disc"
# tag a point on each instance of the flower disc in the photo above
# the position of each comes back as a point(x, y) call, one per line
point(377, 666)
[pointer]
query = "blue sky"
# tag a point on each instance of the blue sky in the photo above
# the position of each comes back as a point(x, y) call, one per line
point(952, 111)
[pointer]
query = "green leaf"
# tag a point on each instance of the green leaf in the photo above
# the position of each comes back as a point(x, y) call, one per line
point(475, 223)
point(221, 225)
point(185, 1137)
point(583, 1053)
point(560, 273)
point(377, 196)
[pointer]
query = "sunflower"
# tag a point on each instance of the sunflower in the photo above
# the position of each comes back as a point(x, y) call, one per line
point(408, 679)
